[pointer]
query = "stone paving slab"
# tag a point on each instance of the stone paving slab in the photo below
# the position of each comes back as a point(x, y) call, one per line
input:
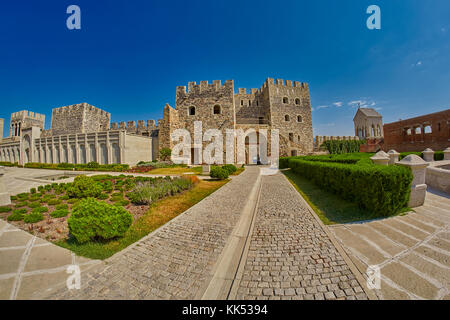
point(412, 251)
point(29, 266)
point(290, 255)
point(176, 261)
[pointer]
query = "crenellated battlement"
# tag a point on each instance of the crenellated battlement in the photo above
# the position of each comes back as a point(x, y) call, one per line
point(139, 127)
point(25, 114)
point(81, 107)
point(204, 86)
point(284, 83)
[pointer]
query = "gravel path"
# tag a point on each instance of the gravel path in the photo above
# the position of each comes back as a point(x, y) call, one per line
point(290, 256)
point(174, 262)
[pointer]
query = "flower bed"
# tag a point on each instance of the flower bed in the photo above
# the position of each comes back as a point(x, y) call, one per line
point(45, 212)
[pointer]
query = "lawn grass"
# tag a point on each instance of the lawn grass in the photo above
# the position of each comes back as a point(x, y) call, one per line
point(158, 214)
point(329, 208)
point(176, 170)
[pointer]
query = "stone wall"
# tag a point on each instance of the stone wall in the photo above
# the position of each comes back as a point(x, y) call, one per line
point(417, 134)
point(79, 118)
point(23, 120)
point(2, 123)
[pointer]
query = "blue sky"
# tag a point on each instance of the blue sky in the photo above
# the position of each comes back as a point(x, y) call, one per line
point(129, 56)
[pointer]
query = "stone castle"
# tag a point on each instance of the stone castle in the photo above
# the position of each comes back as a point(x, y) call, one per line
point(82, 133)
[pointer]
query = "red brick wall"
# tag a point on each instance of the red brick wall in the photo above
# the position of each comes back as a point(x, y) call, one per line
point(396, 134)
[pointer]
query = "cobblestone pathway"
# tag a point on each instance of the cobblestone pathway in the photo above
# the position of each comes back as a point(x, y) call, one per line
point(176, 261)
point(290, 256)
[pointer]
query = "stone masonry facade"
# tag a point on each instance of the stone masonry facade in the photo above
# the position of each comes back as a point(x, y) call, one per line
point(82, 133)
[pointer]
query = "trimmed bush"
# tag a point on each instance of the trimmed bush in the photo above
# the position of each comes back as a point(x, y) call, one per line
point(21, 204)
point(230, 168)
point(342, 146)
point(62, 206)
point(54, 202)
point(103, 196)
point(92, 219)
point(33, 217)
point(149, 191)
point(17, 215)
point(40, 210)
point(383, 190)
point(84, 187)
point(33, 190)
point(218, 173)
point(122, 203)
point(5, 209)
point(59, 213)
point(34, 204)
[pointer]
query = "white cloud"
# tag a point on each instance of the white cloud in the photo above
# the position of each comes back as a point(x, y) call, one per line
point(362, 104)
point(417, 64)
point(338, 104)
point(321, 107)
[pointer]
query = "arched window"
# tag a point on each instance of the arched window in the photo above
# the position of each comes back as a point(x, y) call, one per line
point(192, 111)
point(216, 109)
point(408, 131)
point(297, 101)
point(418, 130)
point(286, 118)
point(299, 119)
point(285, 100)
point(428, 129)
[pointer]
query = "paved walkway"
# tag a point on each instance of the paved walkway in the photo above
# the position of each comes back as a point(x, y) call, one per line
point(290, 255)
point(178, 260)
point(412, 251)
point(30, 266)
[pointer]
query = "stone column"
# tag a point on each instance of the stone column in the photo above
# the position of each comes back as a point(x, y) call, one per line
point(447, 154)
point(428, 155)
point(381, 158)
point(393, 156)
point(5, 199)
point(418, 188)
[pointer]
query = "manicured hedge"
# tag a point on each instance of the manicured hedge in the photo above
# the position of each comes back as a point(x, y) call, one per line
point(342, 146)
point(438, 155)
point(91, 166)
point(384, 190)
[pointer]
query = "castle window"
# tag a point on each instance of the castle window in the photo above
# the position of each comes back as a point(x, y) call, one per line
point(242, 102)
point(285, 100)
point(297, 101)
point(192, 111)
point(286, 118)
point(257, 103)
point(428, 129)
point(298, 139)
point(216, 109)
point(299, 119)
point(291, 137)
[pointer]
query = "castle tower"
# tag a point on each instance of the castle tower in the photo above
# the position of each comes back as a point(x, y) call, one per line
point(23, 120)
point(290, 113)
point(368, 123)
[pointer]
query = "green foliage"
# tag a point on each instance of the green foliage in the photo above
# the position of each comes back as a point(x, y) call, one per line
point(62, 206)
point(218, 173)
point(17, 215)
point(64, 197)
point(383, 190)
point(33, 190)
point(117, 198)
point(230, 168)
point(33, 217)
point(40, 210)
point(92, 219)
point(13, 198)
point(21, 204)
point(149, 191)
point(438, 155)
point(9, 164)
point(342, 146)
point(34, 204)
point(165, 154)
point(84, 187)
point(103, 196)
point(59, 213)
point(5, 209)
point(122, 203)
point(54, 202)
point(80, 167)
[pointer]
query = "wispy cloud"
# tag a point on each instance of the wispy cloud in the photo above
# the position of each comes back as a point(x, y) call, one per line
point(338, 104)
point(362, 104)
point(417, 64)
point(321, 107)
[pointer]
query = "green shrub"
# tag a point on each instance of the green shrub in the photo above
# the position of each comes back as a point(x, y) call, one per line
point(21, 204)
point(103, 196)
point(54, 202)
point(218, 173)
point(73, 201)
point(150, 190)
point(384, 190)
point(17, 215)
point(122, 203)
point(117, 198)
point(165, 154)
point(5, 209)
point(438, 155)
point(92, 219)
point(65, 197)
point(33, 190)
point(40, 210)
point(41, 188)
point(62, 206)
point(342, 146)
point(33, 217)
point(34, 204)
point(59, 213)
point(35, 197)
point(230, 168)
point(84, 187)
point(13, 198)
